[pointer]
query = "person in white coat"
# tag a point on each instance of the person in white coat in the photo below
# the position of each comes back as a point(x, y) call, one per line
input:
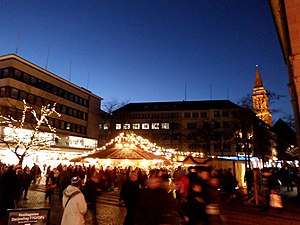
point(74, 204)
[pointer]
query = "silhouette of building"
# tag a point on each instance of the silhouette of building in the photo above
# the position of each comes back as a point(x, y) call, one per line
point(287, 22)
point(260, 100)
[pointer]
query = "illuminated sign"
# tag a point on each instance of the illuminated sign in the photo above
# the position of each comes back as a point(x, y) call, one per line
point(29, 216)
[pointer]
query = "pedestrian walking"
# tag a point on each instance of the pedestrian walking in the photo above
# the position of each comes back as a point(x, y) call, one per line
point(129, 194)
point(49, 190)
point(26, 181)
point(194, 208)
point(74, 204)
point(155, 206)
point(63, 180)
point(90, 193)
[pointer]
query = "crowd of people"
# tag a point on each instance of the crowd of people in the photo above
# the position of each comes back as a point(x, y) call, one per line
point(190, 196)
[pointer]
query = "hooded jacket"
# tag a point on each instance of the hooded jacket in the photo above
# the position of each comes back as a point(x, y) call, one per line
point(76, 207)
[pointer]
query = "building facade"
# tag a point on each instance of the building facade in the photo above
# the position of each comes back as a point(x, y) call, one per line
point(79, 108)
point(215, 127)
point(287, 22)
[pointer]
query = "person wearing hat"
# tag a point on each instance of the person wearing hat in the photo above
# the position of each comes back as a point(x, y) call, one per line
point(74, 204)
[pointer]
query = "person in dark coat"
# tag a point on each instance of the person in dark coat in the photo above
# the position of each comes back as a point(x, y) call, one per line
point(63, 180)
point(90, 193)
point(129, 193)
point(249, 178)
point(9, 186)
point(156, 206)
point(26, 181)
point(194, 208)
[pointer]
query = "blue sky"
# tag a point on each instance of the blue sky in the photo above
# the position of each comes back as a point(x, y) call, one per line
point(150, 50)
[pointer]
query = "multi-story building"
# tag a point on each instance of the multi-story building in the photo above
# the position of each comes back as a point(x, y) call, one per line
point(214, 127)
point(78, 125)
point(287, 22)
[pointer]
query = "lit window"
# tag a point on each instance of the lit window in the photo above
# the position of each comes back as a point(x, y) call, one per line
point(136, 126)
point(155, 126)
point(118, 126)
point(105, 126)
point(165, 126)
point(126, 126)
point(145, 126)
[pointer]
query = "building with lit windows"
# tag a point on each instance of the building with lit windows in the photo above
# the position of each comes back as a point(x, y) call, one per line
point(78, 125)
point(213, 127)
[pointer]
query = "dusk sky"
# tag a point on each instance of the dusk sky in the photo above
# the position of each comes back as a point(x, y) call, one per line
point(149, 50)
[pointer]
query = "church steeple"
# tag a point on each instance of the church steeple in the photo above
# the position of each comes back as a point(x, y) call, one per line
point(258, 81)
point(260, 100)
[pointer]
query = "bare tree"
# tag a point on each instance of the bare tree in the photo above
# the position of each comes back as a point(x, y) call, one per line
point(246, 101)
point(20, 141)
point(113, 105)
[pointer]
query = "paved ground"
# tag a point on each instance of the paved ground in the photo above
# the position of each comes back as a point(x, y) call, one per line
point(110, 212)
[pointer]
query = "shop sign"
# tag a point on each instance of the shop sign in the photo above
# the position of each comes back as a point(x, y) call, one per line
point(29, 216)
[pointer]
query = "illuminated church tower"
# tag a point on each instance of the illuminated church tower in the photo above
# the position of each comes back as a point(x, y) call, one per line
point(260, 100)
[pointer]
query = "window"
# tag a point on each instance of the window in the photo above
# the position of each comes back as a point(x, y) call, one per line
point(216, 113)
point(23, 95)
point(38, 100)
point(70, 111)
point(50, 121)
point(33, 81)
point(26, 78)
point(39, 84)
point(68, 126)
point(105, 126)
point(62, 125)
point(187, 115)
point(84, 116)
point(118, 126)
point(14, 93)
point(18, 75)
point(30, 98)
point(47, 87)
point(155, 126)
point(145, 126)
point(7, 72)
point(136, 126)
point(165, 126)
point(54, 90)
point(203, 114)
point(2, 91)
point(126, 126)
point(56, 123)
point(195, 115)
point(63, 109)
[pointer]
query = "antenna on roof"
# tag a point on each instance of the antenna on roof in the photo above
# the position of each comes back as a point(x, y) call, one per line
point(47, 58)
point(18, 42)
point(70, 71)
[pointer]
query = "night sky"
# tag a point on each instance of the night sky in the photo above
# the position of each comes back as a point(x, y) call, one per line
point(150, 50)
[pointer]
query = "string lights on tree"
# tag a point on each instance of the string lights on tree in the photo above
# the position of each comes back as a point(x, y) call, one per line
point(21, 140)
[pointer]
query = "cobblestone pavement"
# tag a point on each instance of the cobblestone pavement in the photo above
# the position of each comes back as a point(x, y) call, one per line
point(109, 211)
